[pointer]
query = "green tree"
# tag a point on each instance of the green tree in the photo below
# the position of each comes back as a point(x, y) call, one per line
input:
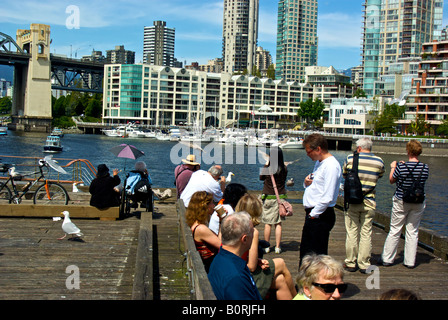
point(59, 107)
point(271, 72)
point(359, 93)
point(311, 110)
point(5, 105)
point(385, 122)
point(94, 108)
point(419, 126)
point(443, 128)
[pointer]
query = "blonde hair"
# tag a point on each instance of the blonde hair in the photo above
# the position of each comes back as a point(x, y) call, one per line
point(311, 267)
point(252, 205)
point(414, 148)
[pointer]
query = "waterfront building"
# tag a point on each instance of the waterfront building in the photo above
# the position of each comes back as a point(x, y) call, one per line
point(296, 38)
point(4, 86)
point(350, 116)
point(158, 44)
point(157, 95)
point(120, 55)
point(397, 78)
point(356, 76)
point(328, 83)
point(429, 93)
point(239, 35)
point(396, 29)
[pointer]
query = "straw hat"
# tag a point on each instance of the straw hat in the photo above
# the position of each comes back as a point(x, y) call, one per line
point(191, 159)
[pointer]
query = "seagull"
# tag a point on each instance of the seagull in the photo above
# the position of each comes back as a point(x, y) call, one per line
point(69, 227)
point(229, 177)
point(75, 188)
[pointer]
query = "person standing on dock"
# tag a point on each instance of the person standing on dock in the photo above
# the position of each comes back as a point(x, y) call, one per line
point(405, 213)
point(320, 196)
point(183, 172)
point(359, 217)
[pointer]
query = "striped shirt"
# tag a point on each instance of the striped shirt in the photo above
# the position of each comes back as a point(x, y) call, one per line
point(370, 169)
point(404, 178)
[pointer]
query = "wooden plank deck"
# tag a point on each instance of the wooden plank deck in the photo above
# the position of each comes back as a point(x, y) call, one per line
point(33, 262)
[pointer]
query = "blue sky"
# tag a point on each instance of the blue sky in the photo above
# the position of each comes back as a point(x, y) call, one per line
point(198, 24)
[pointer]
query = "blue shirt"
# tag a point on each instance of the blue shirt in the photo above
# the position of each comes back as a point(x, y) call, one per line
point(231, 279)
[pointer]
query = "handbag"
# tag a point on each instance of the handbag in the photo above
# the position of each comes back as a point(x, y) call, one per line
point(285, 208)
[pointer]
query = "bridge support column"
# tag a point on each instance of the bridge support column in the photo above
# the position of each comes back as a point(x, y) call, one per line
point(32, 87)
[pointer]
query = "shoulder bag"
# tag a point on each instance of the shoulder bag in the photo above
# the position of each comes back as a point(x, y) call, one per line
point(285, 208)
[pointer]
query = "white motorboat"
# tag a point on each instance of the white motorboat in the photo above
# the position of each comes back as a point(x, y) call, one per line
point(291, 143)
point(53, 144)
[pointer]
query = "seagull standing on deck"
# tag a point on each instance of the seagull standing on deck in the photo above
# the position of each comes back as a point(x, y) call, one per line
point(69, 227)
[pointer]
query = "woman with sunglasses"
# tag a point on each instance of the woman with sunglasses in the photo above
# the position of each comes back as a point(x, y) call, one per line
point(198, 214)
point(320, 278)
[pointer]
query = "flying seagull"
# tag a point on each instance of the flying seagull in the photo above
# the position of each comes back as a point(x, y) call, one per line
point(69, 227)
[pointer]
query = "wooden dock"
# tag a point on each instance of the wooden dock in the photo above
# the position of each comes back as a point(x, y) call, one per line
point(34, 265)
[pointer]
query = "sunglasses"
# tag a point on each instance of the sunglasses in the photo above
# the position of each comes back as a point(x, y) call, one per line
point(330, 287)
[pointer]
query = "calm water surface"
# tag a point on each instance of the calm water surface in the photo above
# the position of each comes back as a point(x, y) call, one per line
point(159, 155)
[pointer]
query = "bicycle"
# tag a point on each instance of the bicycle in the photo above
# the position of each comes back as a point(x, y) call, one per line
point(47, 193)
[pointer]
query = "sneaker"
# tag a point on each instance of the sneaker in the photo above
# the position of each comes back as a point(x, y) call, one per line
point(267, 250)
point(349, 269)
point(384, 264)
point(409, 267)
point(278, 250)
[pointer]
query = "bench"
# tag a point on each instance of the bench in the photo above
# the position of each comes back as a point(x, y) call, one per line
point(200, 284)
point(43, 211)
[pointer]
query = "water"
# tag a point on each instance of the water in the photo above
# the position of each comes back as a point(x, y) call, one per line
point(157, 157)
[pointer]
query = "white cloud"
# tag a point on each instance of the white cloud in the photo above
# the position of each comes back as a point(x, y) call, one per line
point(339, 30)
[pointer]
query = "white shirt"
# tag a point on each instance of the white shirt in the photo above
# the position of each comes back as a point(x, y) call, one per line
point(201, 180)
point(323, 191)
point(214, 219)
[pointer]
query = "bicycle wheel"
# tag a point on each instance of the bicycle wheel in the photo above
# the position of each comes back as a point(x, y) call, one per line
point(56, 194)
point(5, 194)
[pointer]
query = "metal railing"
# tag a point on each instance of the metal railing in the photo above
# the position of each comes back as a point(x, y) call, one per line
point(79, 171)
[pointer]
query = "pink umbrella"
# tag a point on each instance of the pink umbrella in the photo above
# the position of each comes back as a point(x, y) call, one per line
point(127, 151)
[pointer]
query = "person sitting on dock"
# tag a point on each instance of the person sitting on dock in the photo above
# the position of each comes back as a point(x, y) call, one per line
point(229, 275)
point(138, 184)
point(320, 278)
point(197, 216)
point(232, 194)
point(210, 181)
point(102, 188)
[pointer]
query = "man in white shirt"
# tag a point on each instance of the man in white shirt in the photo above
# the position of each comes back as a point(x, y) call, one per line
point(319, 198)
point(210, 181)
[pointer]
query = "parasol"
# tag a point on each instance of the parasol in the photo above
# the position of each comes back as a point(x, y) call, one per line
point(127, 151)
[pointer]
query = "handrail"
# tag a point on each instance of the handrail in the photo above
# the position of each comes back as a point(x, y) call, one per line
point(82, 169)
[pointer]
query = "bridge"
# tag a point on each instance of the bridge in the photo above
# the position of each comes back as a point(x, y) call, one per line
point(37, 72)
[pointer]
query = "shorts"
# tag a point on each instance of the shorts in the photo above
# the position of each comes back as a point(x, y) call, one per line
point(270, 212)
point(263, 278)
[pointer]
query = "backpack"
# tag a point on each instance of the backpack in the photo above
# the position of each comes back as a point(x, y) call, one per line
point(352, 186)
point(415, 193)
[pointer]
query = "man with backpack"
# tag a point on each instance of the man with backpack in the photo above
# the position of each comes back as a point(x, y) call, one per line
point(408, 205)
point(360, 205)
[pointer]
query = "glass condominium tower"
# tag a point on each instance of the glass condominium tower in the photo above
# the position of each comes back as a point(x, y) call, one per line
point(239, 35)
point(396, 29)
point(296, 38)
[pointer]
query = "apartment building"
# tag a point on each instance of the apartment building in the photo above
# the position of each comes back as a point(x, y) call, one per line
point(157, 95)
point(296, 38)
point(239, 35)
point(429, 93)
point(350, 116)
point(120, 55)
point(158, 44)
point(396, 29)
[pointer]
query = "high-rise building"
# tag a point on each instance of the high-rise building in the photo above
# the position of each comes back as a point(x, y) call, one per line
point(239, 35)
point(263, 60)
point(396, 29)
point(296, 38)
point(120, 55)
point(158, 44)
